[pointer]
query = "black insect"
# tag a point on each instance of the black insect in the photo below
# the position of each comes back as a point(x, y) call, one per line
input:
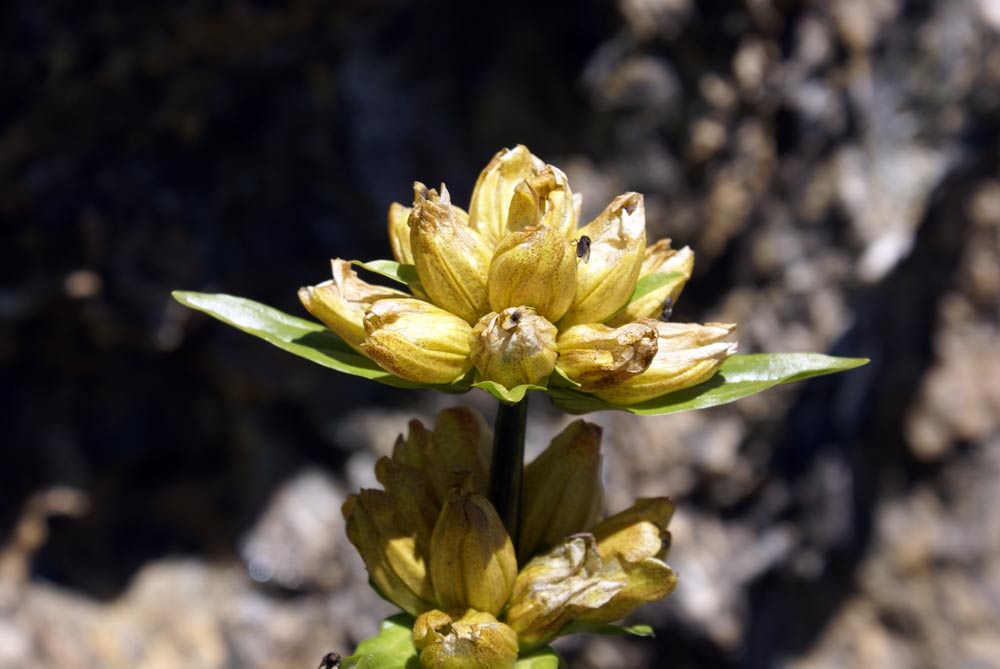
point(582, 247)
point(330, 661)
point(668, 310)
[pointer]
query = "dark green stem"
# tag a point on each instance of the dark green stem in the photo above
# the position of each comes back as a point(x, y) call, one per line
point(507, 468)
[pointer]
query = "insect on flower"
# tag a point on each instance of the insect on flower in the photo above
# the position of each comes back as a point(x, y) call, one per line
point(668, 310)
point(582, 245)
point(330, 661)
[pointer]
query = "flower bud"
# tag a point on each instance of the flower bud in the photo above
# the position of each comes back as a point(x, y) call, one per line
point(477, 640)
point(636, 539)
point(686, 355)
point(399, 233)
point(617, 243)
point(649, 580)
point(597, 356)
point(536, 267)
point(660, 259)
point(544, 199)
point(513, 347)
point(417, 341)
point(494, 189)
point(557, 587)
point(389, 546)
point(340, 304)
point(411, 495)
point(562, 494)
point(451, 258)
point(461, 443)
point(472, 562)
point(636, 533)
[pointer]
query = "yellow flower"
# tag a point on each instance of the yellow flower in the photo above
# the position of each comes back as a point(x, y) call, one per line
point(516, 289)
point(476, 640)
point(535, 291)
point(434, 545)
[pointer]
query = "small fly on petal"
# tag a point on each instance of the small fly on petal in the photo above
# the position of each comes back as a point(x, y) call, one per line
point(582, 245)
point(667, 311)
point(330, 661)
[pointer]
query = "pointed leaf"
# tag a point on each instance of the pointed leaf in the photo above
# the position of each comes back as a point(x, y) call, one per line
point(404, 274)
point(543, 658)
point(306, 339)
point(606, 629)
point(391, 648)
point(739, 376)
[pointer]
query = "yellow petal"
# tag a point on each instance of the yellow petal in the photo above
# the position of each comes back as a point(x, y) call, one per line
point(597, 356)
point(649, 580)
point(340, 303)
point(562, 494)
point(472, 562)
point(415, 340)
point(671, 370)
point(514, 347)
point(536, 267)
point(606, 278)
point(451, 259)
point(557, 587)
point(491, 196)
point(389, 549)
point(636, 533)
point(460, 444)
point(660, 258)
point(477, 640)
point(399, 233)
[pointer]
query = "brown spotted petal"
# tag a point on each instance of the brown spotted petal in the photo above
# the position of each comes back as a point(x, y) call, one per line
point(535, 267)
point(514, 347)
point(340, 303)
point(416, 340)
point(597, 356)
point(605, 280)
point(451, 258)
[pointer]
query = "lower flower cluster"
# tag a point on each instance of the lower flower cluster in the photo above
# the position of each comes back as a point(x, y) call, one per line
point(434, 545)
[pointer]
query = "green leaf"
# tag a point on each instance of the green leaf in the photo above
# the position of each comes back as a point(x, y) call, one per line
point(306, 339)
point(606, 629)
point(651, 282)
point(391, 648)
point(404, 274)
point(739, 376)
point(512, 396)
point(543, 658)
point(648, 284)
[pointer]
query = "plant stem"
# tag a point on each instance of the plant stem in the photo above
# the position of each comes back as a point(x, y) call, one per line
point(507, 468)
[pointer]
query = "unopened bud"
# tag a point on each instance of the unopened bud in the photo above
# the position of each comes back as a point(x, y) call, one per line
point(472, 562)
point(416, 340)
point(340, 303)
point(536, 267)
point(617, 243)
point(514, 347)
point(597, 356)
point(477, 640)
point(563, 494)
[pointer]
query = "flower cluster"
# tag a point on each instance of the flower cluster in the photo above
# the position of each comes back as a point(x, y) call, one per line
point(515, 289)
point(434, 545)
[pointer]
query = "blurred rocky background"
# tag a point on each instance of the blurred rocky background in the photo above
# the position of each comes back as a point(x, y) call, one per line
point(170, 488)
